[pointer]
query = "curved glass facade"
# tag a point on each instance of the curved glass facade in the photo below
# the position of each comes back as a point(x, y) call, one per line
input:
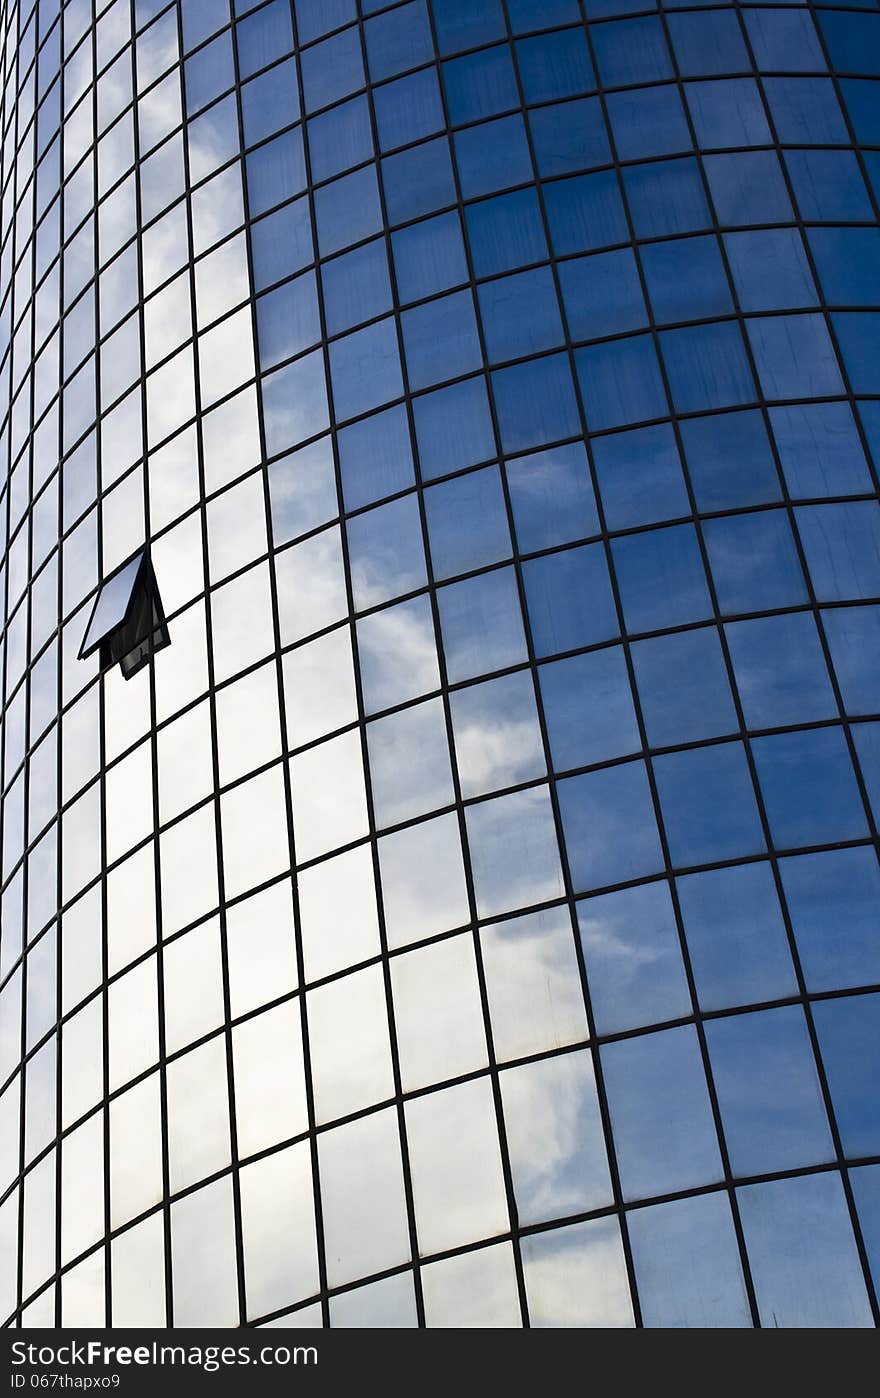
point(471, 917)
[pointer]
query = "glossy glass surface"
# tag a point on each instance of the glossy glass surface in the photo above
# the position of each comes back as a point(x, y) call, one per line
point(495, 386)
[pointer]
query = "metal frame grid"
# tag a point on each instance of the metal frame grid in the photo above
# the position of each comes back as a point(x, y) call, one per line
point(28, 484)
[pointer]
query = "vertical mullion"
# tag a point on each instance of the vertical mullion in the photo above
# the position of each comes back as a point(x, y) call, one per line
point(282, 712)
point(59, 637)
point(649, 761)
point(6, 525)
point(625, 649)
point(373, 840)
point(835, 81)
point(771, 850)
point(27, 523)
point(814, 603)
point(212, 703)
point(845, 724)
point(493, 1070)
point(153, 736)
point(92, 41)
point(17, 145)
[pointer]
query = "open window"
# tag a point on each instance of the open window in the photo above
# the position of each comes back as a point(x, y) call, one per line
point(127, 624)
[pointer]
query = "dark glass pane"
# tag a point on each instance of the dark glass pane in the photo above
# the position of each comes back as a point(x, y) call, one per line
point(467, 523)
point(570, 599)
point(661, 578)
point(736, 936)
point(640, 477)
point(552, 497)
point(832, 901)
point(375, 458)
point(610, 829)
point(408, 109)
point(849, 1044)
point(754, 562)
point(588, 708)
point(708, 805)
point(809, 788)
point(730, 461)
point(682, 682)
point(506, 232)
point(780, 671)
point(569, 137)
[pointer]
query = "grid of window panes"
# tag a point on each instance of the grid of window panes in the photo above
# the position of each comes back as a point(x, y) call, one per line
point(472, 917)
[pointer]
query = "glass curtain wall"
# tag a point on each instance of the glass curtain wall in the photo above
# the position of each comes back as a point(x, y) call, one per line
point(471, 917)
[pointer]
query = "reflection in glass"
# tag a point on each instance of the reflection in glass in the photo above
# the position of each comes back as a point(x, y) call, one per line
point(348, 1038)
point(437, 1012)
point(193, 959)
point(768, 1091)
point(242, 744)
point(475, 1289)
point(329, 800)
point(847, 1032)
point(577, 1277)
point(409, 763)
point(253, 820)
point(383, 1305)
point(532, 984)
point(802, 1253)
point(337, 908)
point(203, 1257)
point(555, 1138)
point(311, 585)
point(236, 528)
point(83, 1302)
point(278, 1228)
point(10, 1118)
point(241, 619)
point(198, 1114)
point(397, 654)
point(497, 737)
point(514, 851)
point(413, 422)
point(132, 1015)
point(456, 1167)
point(260, 949)
point(634, 967)
point(423, 886)
point(135, 1151)
point(319, 689)
point(270, 1096)
point(188, 862)
point(687, 1264)
point(39, 1223)
point(365, 1224)
point(138, 1261)
point(736, 936)
point(660, 1113)
point(82, 1187)
point(82, 1065)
